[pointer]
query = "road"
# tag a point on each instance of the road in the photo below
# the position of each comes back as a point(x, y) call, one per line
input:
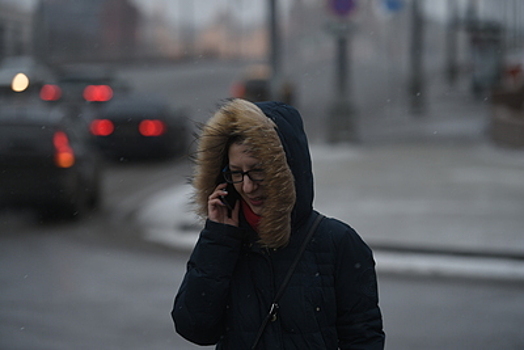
point(95, 284)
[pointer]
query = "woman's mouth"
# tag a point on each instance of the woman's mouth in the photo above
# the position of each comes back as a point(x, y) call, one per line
point(256, 201)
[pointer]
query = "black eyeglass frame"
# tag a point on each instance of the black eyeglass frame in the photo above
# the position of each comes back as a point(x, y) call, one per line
point(243, 173)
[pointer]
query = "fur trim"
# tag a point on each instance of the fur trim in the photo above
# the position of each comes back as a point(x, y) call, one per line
point(240, 117)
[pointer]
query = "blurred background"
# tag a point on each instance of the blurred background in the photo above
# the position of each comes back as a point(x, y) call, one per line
point(414, 113)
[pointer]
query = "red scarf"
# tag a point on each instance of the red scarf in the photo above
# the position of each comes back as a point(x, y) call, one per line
point(252, 219)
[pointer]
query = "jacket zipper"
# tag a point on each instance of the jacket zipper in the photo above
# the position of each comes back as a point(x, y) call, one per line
point(267, 256)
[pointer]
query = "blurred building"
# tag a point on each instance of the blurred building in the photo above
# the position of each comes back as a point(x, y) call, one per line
point(509, 14)
point(159, 38)
point(227, 37)
point(119, 25)
point(15, 30)
point(85, 30)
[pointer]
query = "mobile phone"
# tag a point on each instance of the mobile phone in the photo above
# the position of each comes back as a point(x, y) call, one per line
point(230, 199)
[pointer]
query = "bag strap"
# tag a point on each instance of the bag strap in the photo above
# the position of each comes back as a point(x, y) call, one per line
point(274, 305)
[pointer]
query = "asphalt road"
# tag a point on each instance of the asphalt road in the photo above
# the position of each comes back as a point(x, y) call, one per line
point(94, 285)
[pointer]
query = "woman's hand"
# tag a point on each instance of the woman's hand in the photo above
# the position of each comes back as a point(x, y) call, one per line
point(217, 210)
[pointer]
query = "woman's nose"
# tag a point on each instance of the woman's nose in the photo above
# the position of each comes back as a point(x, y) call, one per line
point(248, 185)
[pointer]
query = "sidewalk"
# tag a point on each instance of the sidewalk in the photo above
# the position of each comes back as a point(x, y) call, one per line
point(429, 194)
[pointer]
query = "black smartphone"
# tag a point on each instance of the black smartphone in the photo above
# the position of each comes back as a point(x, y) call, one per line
point(230, 199)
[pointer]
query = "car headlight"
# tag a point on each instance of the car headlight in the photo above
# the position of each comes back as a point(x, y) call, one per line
point(20, 82)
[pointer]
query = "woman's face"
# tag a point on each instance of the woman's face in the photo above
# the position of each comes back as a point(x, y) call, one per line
point(252, 192)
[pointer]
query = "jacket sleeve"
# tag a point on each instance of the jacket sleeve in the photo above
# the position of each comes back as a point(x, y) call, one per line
point(200, 303)
point(359, 319)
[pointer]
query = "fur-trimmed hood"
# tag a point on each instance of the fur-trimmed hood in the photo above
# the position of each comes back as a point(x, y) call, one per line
point(275, 133)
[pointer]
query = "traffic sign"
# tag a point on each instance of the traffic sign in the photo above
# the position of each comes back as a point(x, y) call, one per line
point(394, 5)
point(342, 7)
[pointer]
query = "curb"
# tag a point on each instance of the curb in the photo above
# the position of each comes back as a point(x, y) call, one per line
point(180, 232)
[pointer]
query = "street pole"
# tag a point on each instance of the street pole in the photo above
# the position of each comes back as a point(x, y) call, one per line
point(472, 13)
point(416, 85)
point(274, 52)
point(341, 112)
point(451, 43)
point(342, 69)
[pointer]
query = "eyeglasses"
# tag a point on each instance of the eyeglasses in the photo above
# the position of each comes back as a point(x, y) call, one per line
point(233, 177)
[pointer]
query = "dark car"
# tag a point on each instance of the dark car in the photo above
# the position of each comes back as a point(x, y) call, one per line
point(81, 84)
point(46, 161)
point(139, 127)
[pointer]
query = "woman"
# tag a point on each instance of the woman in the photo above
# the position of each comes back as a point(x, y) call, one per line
point(259, 154)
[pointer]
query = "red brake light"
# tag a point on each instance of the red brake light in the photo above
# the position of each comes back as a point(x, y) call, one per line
point(152, 127)
point(102, 127)
point(50, 92)
point(98, 93)
point(64, 155)
point(238, 90)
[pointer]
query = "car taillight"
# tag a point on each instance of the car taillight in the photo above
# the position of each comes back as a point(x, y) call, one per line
point(238, 90)
point(64, 154)
point(102, 127)
point(98, 93)
point(50, 92)
point(152, 127)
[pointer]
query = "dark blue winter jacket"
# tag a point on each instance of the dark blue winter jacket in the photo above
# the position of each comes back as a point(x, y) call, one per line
point(331, 302)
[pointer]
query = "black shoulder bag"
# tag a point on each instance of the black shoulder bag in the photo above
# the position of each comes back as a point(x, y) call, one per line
point(272, 314)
